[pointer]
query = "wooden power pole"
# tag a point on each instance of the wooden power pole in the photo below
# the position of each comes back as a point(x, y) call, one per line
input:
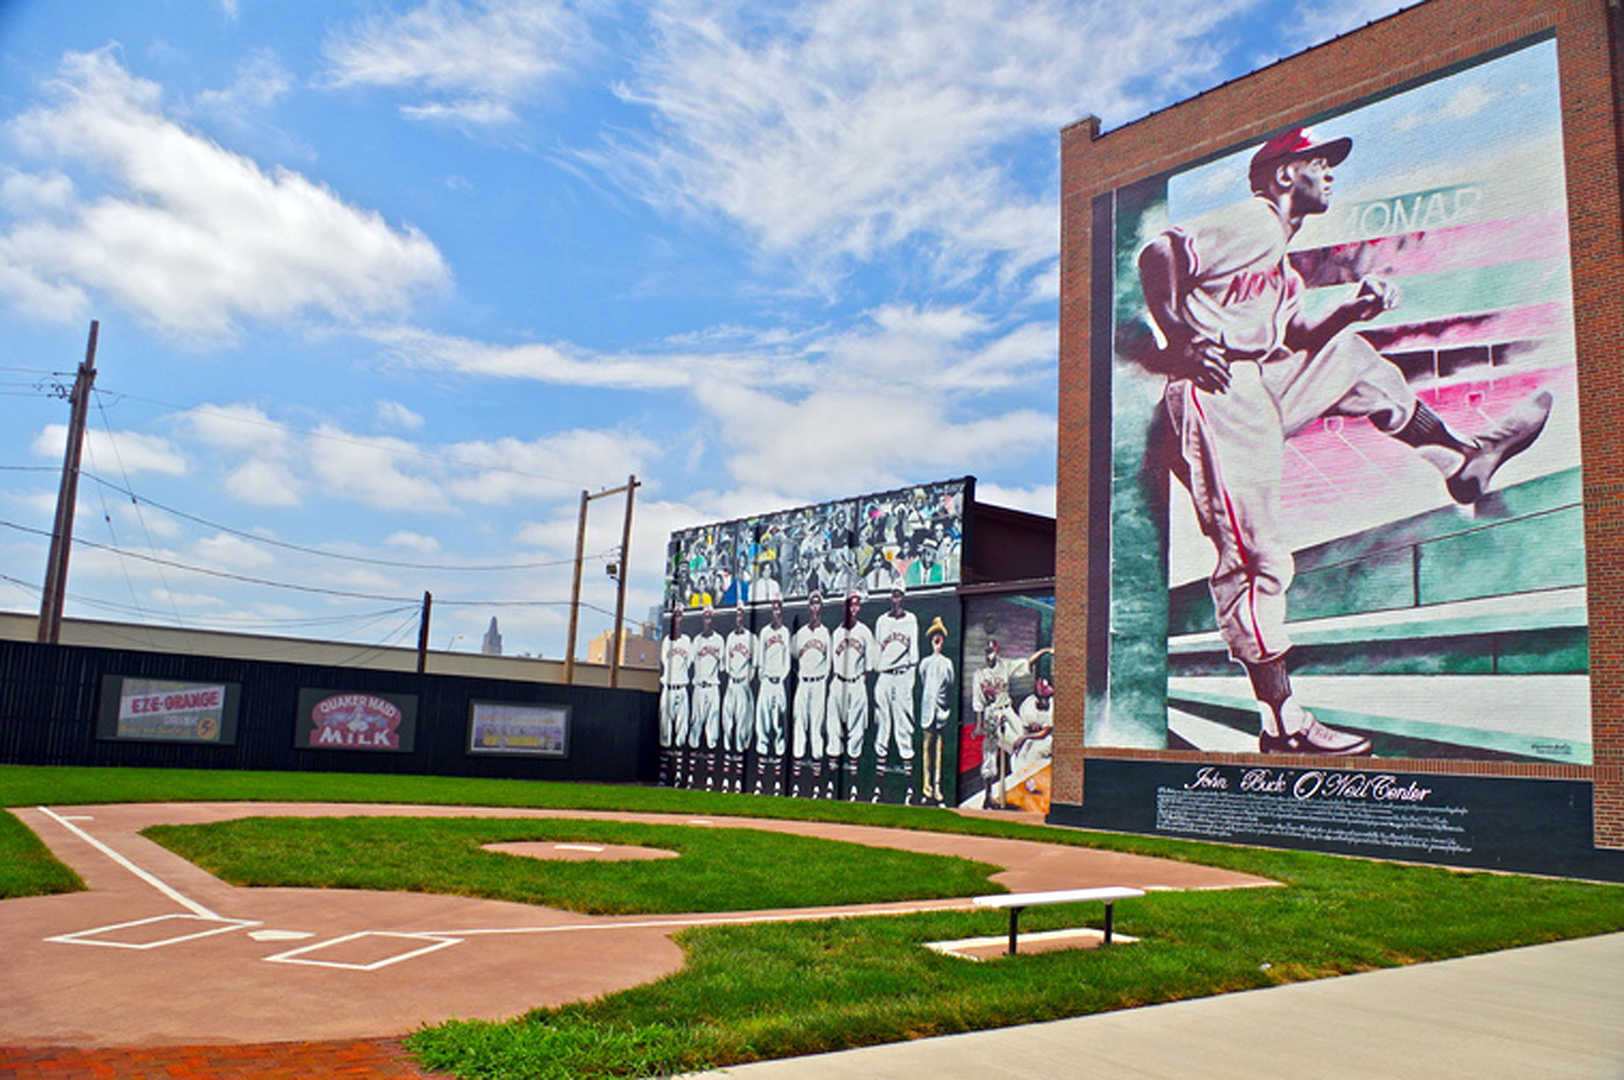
point(629, 487)
point(67, 499)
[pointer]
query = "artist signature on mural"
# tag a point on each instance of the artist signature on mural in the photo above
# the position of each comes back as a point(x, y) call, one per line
point(1313, 784)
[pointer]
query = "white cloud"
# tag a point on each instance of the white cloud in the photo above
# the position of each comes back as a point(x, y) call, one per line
point(392, 414)
point(838, 129)
point(1034, 500)
point(264, 481)
point(260, 81)
point(191, 237)
point(223, 550)
point(114, 453)
point(235, 427)
point(475, 60)
point(1316, 23)
point(511, 470)
point(383, 473)
point(423, 545)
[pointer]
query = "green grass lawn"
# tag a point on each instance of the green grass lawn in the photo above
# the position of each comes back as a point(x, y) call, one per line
point(718, 869)
point(774, 990)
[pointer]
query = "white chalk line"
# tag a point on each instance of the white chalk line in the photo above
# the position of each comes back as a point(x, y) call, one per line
point(709, 920)
point(151, 879)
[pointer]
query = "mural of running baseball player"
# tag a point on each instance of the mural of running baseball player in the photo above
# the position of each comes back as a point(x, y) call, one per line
point(1001, 764)
point(738, 701)
point(705, 723)
point(774, 649)
point(852, 657)
point(896, 636)
point(937, 686)
point(676, 662)
point(811, 700)
point(1362, 458)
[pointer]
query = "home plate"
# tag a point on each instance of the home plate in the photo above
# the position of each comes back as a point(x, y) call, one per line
point(991, 948)
point(280, 935)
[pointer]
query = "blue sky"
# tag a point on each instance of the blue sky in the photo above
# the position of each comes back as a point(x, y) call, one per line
point(382, 287)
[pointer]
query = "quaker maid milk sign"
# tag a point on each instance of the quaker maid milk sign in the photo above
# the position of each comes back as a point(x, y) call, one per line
point(355, 720)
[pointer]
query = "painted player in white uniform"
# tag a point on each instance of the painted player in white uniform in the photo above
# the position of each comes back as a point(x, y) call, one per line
point(705, 725)
point(1031, 744)
point(936, 688)
point(852, 655)
point(738, 703)
point(676, 660)
point(994, 713)
point(896, 633)
point(774, 647)
point(1246, 371)
point(811, 693)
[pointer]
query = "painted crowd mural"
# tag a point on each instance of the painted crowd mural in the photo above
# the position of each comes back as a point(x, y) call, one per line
point(1007, 737)
point(811, 653)
point(1345, 470)
point(914, 535)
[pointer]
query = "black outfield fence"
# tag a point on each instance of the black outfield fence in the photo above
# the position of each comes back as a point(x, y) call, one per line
point(71, 705)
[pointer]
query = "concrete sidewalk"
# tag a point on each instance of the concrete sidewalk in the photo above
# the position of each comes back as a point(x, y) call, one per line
point(1551, 1011)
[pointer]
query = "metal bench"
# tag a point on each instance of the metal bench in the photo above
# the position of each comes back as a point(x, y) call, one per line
point(1019, 902)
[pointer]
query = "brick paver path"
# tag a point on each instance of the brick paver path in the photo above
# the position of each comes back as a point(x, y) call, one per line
point(265, 1061)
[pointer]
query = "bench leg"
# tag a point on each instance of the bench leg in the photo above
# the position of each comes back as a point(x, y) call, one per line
point(1014, 927)
point(1107, 923)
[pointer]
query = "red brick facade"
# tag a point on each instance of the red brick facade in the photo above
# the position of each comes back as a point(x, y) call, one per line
point(1402, 48)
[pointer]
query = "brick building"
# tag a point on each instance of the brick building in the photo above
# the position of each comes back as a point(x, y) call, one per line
point(1459, 641)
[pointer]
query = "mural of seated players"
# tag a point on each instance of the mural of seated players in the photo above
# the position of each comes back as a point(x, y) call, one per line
point(896, 634)
point(1030, 746)
point(852, 656)
point(811, 699)
point(738, 704)
point(676, 662)
point(994, 714)
point(937, 687)
point(705, 726)
point(774, 650)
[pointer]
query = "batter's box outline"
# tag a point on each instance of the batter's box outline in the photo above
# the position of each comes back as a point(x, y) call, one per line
point(297, 956)
point(92, 937)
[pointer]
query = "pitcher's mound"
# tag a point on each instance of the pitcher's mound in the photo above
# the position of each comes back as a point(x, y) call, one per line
point(579, 852)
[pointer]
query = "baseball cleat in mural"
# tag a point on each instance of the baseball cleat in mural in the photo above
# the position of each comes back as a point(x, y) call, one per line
point(1514, 434)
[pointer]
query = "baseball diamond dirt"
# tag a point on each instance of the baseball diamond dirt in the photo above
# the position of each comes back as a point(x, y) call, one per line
point(158, 952)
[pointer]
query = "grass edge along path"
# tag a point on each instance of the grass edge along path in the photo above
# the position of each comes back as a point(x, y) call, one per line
point(778, 990)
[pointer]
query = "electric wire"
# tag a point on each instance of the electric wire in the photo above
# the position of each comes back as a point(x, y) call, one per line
point(306, 550)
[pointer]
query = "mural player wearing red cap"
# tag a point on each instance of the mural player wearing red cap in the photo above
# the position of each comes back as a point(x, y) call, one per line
point(1246, 370)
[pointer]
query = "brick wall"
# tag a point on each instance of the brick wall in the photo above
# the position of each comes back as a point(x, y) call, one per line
point(1407, 46)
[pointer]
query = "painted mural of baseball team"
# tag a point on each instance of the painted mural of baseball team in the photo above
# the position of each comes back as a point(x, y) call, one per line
point(865, 701)
point(913, 535)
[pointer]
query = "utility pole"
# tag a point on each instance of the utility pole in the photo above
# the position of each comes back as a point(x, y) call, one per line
point(620, 584)
point(630, 486)
point(423, 633)
point(67, 499)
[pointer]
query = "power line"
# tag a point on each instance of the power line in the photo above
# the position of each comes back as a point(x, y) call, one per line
point(303, 549)
point(315, 589)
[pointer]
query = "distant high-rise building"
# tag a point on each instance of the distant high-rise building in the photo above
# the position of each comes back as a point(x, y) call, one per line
point(492, 645)
point(638, 649)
